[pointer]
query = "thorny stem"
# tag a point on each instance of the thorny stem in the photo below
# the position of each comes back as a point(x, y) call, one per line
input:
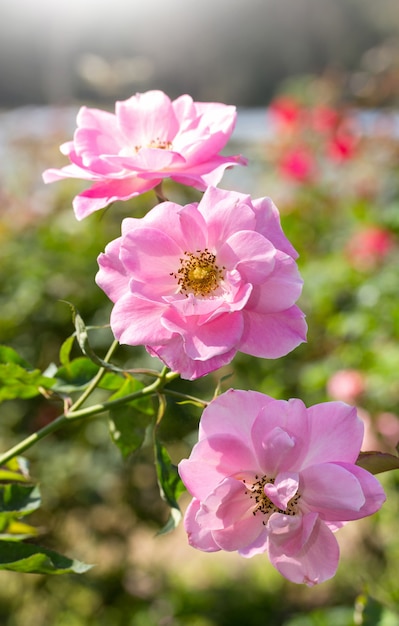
point(76, 413)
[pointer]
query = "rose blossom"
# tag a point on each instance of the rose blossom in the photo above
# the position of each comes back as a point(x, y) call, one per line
point(274, 476)
point(149, 138)
point(197, 283)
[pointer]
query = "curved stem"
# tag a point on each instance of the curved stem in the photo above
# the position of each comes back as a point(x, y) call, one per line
point(186, 397)
point(94, 382)
point(76, 413)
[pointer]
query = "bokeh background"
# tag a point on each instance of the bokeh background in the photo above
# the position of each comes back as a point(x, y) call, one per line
point(316, 83)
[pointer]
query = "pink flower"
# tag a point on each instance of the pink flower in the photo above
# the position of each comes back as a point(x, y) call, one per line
point(368, 247)
point(298, 164)
point(346, 385)
point(273, 476)
point(197, 283)
point(149, 138)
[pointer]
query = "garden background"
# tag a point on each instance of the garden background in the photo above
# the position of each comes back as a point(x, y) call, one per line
point(317, 88)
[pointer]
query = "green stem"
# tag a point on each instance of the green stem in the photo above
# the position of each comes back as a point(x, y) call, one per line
point(75, 413)
point(93, 384)
point(159, 193)
point(184, 396)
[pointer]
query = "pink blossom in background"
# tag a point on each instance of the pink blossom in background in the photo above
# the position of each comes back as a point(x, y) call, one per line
point(197, 283)
point(299, 164)
point(273, 476)
point(368, 247)
point(346, 385)
point(149, 138)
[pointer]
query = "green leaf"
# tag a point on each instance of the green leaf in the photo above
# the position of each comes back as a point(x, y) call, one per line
point(128, 423)
point(17, 382)
point(170, 484)
point(18, 531)
point(65, 350)
point(19, 499)
point(9, 355)
point(75, 375)
point(377, 462)
point(25, 557)
point(81, 333)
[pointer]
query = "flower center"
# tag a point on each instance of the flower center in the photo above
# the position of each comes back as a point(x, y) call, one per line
point(198, 273)
point(263, 504)
point(161, 144)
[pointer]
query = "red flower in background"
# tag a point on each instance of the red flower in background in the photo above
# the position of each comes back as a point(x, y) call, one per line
point(369, 247)
point(298, 164)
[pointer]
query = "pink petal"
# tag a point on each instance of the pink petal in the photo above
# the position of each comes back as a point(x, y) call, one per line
point(374, 496)
point(103, 193)
point(331, 490)
point(202, 342)
point(271, 336)
point(240, 535)
point(112, 276)
point(198, 537)
point(279, 436)
point(234, 412)
point(280, 289)
point(136, 321)
point(268, 223)
point(145, 117)
point(211, 460)
point(151, 256)
point(225, 213)
point(226, 505)
point(174, 356)
point(251, 254)
point(316, 562)
point(284, 488)
point(336, 434)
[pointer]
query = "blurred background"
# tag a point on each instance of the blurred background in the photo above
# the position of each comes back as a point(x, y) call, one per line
point(316, 83)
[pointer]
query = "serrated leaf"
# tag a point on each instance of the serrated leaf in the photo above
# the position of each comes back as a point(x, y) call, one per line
point(29, 558)
point(17, 382)
point(170, 484)
point(378, 462)
point(19, 499)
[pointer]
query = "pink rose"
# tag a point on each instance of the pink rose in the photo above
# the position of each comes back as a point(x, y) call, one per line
point(273, 476)
point(197, 283)
point(149, 138)
point(346, 385)
point(368, 247)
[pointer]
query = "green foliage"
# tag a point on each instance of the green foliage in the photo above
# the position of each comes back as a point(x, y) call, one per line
point(128, 423)
point(170, 484)
point(17, 379)
point(31, 559)
point(19, 499)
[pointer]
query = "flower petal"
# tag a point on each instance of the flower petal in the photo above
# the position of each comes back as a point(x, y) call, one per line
point(336, 433)
point(314, 563)
point(198, 536)
point(211, 460)
point(271, 336)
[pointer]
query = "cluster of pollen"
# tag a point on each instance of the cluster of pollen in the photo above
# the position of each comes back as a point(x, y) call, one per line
point(156, 143)
point(263, 504)
point(198, 273)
